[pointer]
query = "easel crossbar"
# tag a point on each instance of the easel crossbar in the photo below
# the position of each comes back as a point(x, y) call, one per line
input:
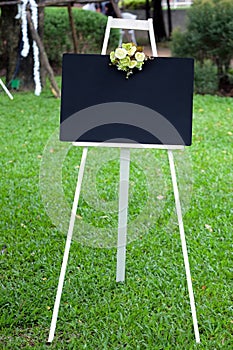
point(124, 24)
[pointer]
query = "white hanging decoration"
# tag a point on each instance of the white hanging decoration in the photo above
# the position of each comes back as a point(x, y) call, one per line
point(36, 53)
point(18, 16)
point(26, 46)
point(25, 39)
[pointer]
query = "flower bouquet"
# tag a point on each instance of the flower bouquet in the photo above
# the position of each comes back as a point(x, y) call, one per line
point(128, 57)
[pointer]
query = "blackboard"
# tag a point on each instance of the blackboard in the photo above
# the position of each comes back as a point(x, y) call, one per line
point(153, 106)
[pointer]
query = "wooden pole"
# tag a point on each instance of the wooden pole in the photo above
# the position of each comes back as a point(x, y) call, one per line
point(73, 29)
point(119, 15)
point(169, 18)
point(44, 56)
point(45, 3)
point(7, 3)
point(116, 8)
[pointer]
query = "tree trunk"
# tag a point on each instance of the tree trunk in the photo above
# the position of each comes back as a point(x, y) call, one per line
point(147, 9)
point(73, 29)
point(116, 8)
point(169, 18)
point(41, 34)
point(159, 26)
point(10, 30)
point(44, 57)
point(18, 67)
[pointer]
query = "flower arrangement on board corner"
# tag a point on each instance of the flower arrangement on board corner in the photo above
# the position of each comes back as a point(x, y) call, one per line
point(128, 57)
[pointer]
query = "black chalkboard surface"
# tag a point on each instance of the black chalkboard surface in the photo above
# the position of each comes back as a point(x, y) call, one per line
point(153, 106)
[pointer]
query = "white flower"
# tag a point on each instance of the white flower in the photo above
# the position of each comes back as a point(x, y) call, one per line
point(140, 56)
point(120, 53)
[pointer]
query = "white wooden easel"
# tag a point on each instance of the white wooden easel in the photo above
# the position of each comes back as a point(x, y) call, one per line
point(5, 89)
point(123, 190)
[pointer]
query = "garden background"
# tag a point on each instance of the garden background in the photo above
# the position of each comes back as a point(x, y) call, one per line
point(151, 309)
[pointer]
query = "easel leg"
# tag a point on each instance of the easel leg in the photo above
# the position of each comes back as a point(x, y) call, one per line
point(184, 247)
point(67, 247)
point(5, 89)
point(123, 212)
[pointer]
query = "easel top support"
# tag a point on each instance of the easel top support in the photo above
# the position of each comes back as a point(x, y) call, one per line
point(123, 23)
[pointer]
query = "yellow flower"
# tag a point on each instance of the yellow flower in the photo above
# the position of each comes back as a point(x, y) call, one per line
point(112, 56)
point(127, 46)
point(132, 51)
point(124, 62)
point(139, 65)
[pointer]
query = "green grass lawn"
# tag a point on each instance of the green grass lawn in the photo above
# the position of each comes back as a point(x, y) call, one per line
point(151, 309)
